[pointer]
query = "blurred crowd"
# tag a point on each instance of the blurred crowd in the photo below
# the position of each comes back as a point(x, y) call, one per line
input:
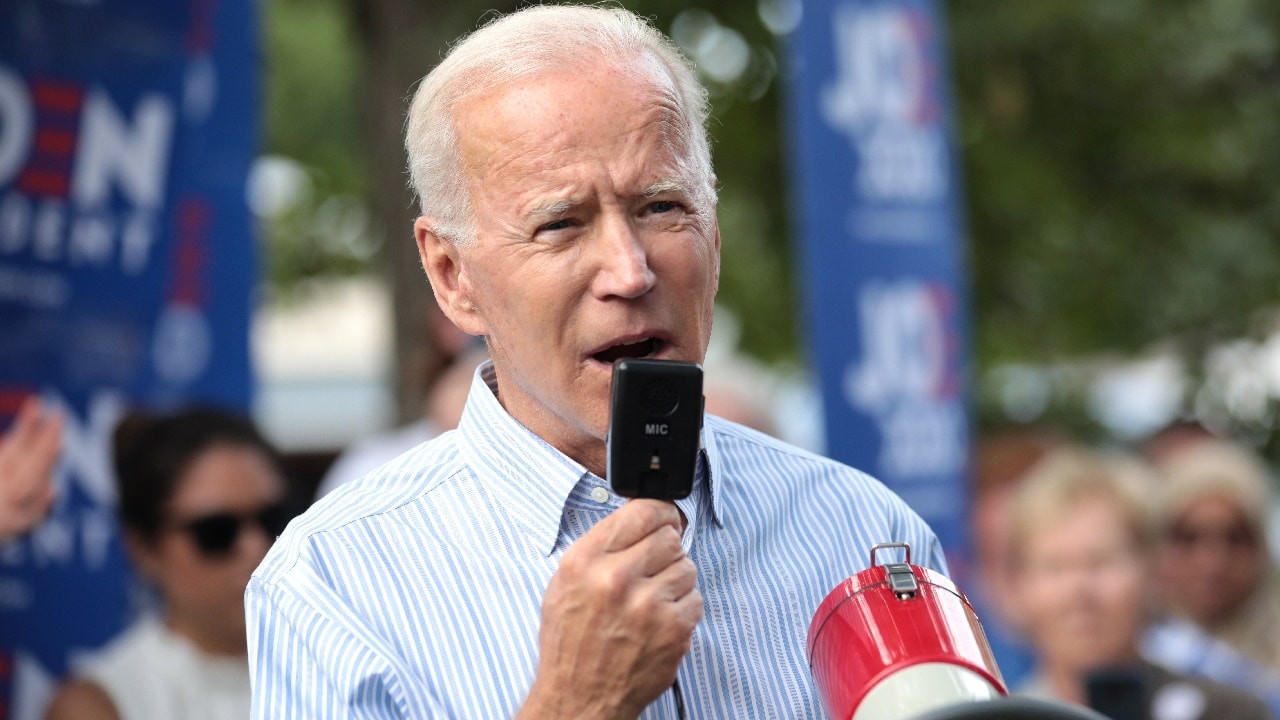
point(1139, 583)
point(201, 496)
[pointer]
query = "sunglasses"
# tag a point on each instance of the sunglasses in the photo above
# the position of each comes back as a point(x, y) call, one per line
point(1234, 537)
point(216, 533)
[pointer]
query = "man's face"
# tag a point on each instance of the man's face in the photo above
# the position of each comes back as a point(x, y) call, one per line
point(1079, 584)
point(590, 244)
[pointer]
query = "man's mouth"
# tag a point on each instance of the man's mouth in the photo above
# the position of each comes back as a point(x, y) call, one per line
point(627, 351)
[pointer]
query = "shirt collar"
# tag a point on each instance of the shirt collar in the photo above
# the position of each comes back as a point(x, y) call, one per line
point(715, 474)
point(531, 478)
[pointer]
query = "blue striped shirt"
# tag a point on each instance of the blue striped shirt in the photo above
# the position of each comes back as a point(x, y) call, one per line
point(416, 591)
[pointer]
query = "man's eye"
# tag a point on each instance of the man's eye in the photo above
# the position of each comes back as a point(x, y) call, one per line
point(557, 225)
point(662, 206)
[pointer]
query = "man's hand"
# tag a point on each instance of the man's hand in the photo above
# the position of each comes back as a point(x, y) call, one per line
point(618, 617)
point(27, 453)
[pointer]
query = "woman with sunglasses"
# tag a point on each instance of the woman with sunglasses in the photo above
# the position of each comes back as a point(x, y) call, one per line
point(1216, 569)
point(202, 496)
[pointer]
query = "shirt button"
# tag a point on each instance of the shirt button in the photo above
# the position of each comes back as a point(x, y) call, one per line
point(599, 494)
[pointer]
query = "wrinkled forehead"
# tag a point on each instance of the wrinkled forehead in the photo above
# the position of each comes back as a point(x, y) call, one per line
point(548, 118)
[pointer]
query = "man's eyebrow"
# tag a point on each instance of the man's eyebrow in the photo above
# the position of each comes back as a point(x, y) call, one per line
point(662, 186)
point(554, 208)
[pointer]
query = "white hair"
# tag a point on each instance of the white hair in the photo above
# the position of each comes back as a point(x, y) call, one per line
point(521, 45)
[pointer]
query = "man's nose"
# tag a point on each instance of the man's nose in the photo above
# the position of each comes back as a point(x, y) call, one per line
point(623, 261)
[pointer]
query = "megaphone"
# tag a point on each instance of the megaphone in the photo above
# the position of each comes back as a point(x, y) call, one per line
point(901, 642)
point(898, 640)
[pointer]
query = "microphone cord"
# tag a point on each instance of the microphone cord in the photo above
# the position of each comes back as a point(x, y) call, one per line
point(675, 691)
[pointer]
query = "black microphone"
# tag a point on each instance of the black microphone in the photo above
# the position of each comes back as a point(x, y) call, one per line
point(1119, 692)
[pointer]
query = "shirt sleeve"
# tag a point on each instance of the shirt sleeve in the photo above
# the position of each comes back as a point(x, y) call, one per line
point(310, 659)
point(934, 558)
point(926, 549)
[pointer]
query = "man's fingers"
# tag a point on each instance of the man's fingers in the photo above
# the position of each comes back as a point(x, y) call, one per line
point(691, 607)
point(654, 553)
point(616, 574)
point(633, 522)
point(676, 580)
point(678, 608)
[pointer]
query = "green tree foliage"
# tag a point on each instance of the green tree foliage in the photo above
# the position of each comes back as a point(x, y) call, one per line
point(1120, 163)
point(311, 118)
point(1121, 171)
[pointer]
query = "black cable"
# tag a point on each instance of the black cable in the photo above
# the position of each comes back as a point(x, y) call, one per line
point(675, 691)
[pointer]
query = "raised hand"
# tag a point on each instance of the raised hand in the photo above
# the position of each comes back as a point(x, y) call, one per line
point(27, 453)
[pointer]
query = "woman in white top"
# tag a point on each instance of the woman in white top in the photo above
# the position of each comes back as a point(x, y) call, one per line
point(201, 499)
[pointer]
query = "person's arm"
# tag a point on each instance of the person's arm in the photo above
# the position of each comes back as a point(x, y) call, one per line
point(933, 557)
point(81, 700)
point(311, 660)
point(907, 526)
point(28, 451)
point(617, 619)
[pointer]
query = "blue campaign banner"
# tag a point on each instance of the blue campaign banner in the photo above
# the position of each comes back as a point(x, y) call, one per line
point(877, 200)
point(127, 266)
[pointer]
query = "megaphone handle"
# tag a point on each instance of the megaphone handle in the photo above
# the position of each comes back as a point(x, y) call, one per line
point(884, 546)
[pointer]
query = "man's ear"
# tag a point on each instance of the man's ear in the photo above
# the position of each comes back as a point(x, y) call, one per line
point(443, 265)
point(716, 234)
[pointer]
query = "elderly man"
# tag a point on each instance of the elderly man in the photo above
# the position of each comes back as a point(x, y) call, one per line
point(568, 217)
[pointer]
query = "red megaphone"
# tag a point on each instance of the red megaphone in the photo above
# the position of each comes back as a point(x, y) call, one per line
point(898, 640)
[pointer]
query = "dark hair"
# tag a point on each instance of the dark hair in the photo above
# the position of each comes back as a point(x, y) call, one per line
point(153, 452)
